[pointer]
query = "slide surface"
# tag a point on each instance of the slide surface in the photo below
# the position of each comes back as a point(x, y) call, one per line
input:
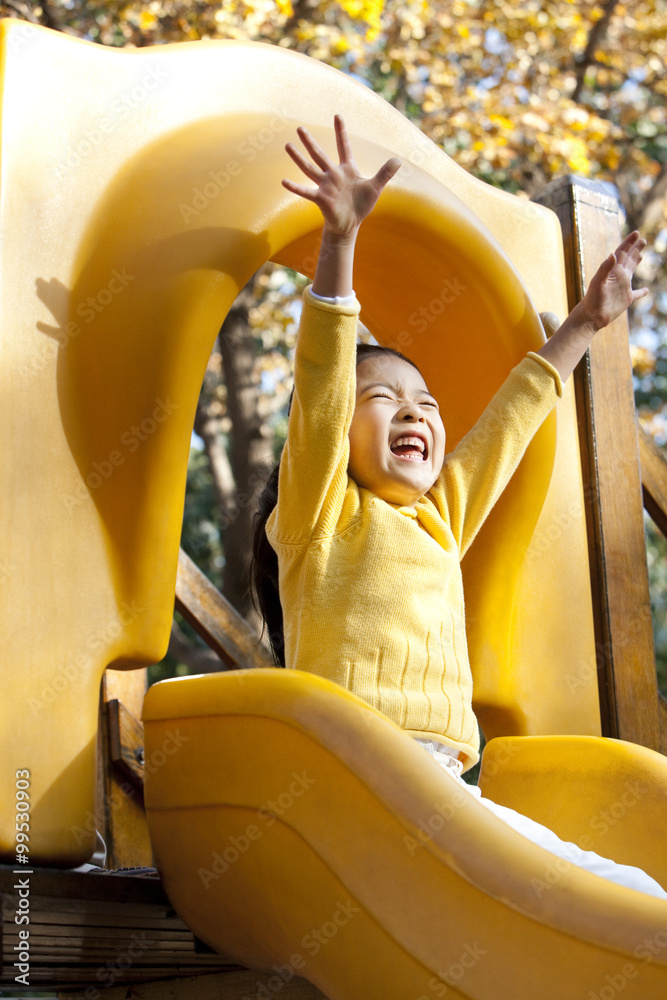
point(297, 830)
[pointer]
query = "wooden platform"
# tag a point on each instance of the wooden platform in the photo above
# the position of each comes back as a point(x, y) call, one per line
point(116, 935)
point(89, 928)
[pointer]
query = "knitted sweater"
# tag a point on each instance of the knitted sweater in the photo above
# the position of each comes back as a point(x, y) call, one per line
point(372, 593)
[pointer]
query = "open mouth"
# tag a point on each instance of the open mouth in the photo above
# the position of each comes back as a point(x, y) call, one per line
point(410, 447)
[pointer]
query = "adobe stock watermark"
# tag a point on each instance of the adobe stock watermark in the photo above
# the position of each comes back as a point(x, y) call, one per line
point(553, 532)
point(419, 320)
point(425, 316)
point(7, 568)
point(170, 745)
point(87, 310)
point(130, 440)
point(238, 845)
point(501, 757)
point(121, 109)
point(106, 975)
point(587, 670)
point(77, 666)
point(452, 976)
point(312, 943)
point(22, 35)
point(217, 181)
point(443, 813)
point(242, 498)
point(616, 982)
point(599, 824)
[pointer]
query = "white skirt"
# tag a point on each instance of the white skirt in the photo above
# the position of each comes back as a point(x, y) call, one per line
point(633, 878)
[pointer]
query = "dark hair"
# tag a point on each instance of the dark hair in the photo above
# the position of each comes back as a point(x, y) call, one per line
point(264, 562)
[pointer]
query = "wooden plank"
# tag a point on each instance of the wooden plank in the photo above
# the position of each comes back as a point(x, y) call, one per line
point(67, 887)
point(654, 478)
point(215, 620)
point(242, 985)
point(73, 939)
point(70, 978)
point(67, 919)
point(589, 217)
point(126, 742)
point(126, 831)
point(56, 936)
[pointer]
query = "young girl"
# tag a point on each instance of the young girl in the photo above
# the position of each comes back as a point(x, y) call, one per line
point(371, 521)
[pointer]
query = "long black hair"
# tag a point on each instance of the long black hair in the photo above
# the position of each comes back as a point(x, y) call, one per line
point(264, 563)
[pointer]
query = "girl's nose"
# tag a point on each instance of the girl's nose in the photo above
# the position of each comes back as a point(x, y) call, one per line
point(411, 412)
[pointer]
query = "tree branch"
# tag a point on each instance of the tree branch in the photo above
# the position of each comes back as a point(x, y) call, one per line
point(208, 428)
point(596, 34)
point(645, 212)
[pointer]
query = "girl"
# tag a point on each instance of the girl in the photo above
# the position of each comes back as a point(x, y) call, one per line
point(361, 552)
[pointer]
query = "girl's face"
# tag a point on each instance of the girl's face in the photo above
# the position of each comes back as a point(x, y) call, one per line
point(397, 438)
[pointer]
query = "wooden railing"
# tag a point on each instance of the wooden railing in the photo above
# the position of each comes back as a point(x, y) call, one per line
point(654, 489)
point(216, 620)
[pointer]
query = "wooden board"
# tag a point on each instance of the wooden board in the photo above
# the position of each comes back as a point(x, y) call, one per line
point(654, 478)
point(215, 620)
point(120, 805)
point(590, 220)
point(239, 985)
point(97, 929)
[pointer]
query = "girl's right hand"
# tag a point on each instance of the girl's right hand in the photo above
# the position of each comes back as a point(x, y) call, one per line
point(343, 196)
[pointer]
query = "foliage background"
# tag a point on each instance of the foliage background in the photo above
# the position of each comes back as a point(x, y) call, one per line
point(517, 94)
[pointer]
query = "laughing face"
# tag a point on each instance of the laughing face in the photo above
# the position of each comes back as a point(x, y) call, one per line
point(397, 438)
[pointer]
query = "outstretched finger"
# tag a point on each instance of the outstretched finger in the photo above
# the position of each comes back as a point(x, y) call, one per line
point(314, 148)
point(631, 238)
point(632, 244)
point(303, 192)
point(387, 171)
point(631, 258)
point(607, 266)
point(309, 169)
point(342, 141)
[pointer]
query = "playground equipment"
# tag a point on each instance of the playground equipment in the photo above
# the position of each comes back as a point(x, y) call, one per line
point(127, 231)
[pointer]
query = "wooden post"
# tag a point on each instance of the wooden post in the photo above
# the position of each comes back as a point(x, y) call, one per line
point(590, 220)
point(125, 830)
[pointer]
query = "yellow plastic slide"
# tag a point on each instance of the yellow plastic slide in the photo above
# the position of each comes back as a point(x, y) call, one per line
point(300, 831)
point(140, 190)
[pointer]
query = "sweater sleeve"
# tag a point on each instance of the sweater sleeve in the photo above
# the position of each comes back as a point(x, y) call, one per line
point(477, 471)
point(313, 465)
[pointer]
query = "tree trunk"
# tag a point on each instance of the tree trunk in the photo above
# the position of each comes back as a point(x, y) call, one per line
point(251, 451)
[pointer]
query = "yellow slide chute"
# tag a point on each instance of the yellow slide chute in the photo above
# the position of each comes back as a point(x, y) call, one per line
point(140, 190)
point(297, 828)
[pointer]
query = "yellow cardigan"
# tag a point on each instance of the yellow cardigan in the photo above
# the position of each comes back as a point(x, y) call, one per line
point(372, 593)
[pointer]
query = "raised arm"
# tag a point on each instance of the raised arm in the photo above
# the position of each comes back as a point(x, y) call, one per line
point(313, 466)
point(608, 295)
point(344, 197)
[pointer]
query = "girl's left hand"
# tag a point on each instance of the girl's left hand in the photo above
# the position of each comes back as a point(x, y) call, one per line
point(610, 291)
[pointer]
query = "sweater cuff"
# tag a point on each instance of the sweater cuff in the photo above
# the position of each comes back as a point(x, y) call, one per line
point(336, 300)
point(550, 368)
point(347, 305)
